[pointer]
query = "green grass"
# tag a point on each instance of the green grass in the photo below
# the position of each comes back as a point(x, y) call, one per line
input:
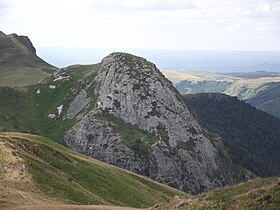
point(70, 177)
point(133, 137)
point(17, 110)
point(14, 76)
point(254, 194)
point(25, 111)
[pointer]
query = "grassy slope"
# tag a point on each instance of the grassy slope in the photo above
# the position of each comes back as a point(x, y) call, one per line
point(254, 194)
point(15, 76)
point(62, 176)
point(268, 100)
point(23, 110)
point(20, 66)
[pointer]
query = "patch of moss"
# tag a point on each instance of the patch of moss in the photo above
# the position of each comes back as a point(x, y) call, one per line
point(164, 135)
point(132, 136)
point(193, 130)
point(188, 145)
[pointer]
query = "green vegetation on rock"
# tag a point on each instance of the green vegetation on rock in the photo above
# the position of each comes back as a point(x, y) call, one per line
point(132, 136)
point(25, 110)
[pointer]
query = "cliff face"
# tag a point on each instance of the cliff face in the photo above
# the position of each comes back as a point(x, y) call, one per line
point(141, 123)
point(26, 42)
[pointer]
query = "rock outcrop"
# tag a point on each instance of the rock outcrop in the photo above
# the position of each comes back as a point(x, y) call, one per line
point(131, 90)
point(26, 42)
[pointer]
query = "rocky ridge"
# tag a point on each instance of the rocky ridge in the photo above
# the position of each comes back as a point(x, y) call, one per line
point(170, 146)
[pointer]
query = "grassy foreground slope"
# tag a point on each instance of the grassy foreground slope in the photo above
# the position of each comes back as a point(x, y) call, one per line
point(254, 194)
point(37, 171)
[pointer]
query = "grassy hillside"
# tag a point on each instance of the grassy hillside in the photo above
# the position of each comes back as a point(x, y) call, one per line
point(19, 64)
point(251, 137)
point(254, 194)
point(26, 110)
point(268, 100)
point(35, 170)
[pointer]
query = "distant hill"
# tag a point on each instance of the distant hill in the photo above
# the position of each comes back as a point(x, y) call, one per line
point(254, 194)
point(251, 137)
point(37, 173)
point(257, 88)
point(19, 64)
point(268, 100)
point(254, 75)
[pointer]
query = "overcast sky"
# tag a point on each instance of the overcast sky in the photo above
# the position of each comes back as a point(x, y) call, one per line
point(152, 24)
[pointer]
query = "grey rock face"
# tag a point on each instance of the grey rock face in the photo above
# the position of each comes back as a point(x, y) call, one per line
point(134, 90)
point(96, 139)
point(26, 42)
point(80, 102)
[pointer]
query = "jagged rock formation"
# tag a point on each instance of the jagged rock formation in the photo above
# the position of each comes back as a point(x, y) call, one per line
point(19, 51)
point(171, 146)
point(25, 41)
point(19, 64)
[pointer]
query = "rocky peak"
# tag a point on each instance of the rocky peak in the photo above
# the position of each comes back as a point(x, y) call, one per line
point(25, 41)
point(133, 90)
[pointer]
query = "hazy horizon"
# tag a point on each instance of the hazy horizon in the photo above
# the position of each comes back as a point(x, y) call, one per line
point(201, 35)
point(167, 59)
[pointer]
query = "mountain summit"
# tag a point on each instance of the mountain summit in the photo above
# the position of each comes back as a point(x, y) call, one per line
point(141, 123)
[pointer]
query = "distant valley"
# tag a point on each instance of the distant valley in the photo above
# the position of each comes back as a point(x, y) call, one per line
point(261, 89)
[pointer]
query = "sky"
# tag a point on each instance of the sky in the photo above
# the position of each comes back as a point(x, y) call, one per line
point(146, 24)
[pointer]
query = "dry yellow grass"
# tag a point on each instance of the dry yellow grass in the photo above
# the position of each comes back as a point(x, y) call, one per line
point(177, 76)
point(16, 187)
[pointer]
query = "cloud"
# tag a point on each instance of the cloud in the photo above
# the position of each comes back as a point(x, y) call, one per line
point(184, 24)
